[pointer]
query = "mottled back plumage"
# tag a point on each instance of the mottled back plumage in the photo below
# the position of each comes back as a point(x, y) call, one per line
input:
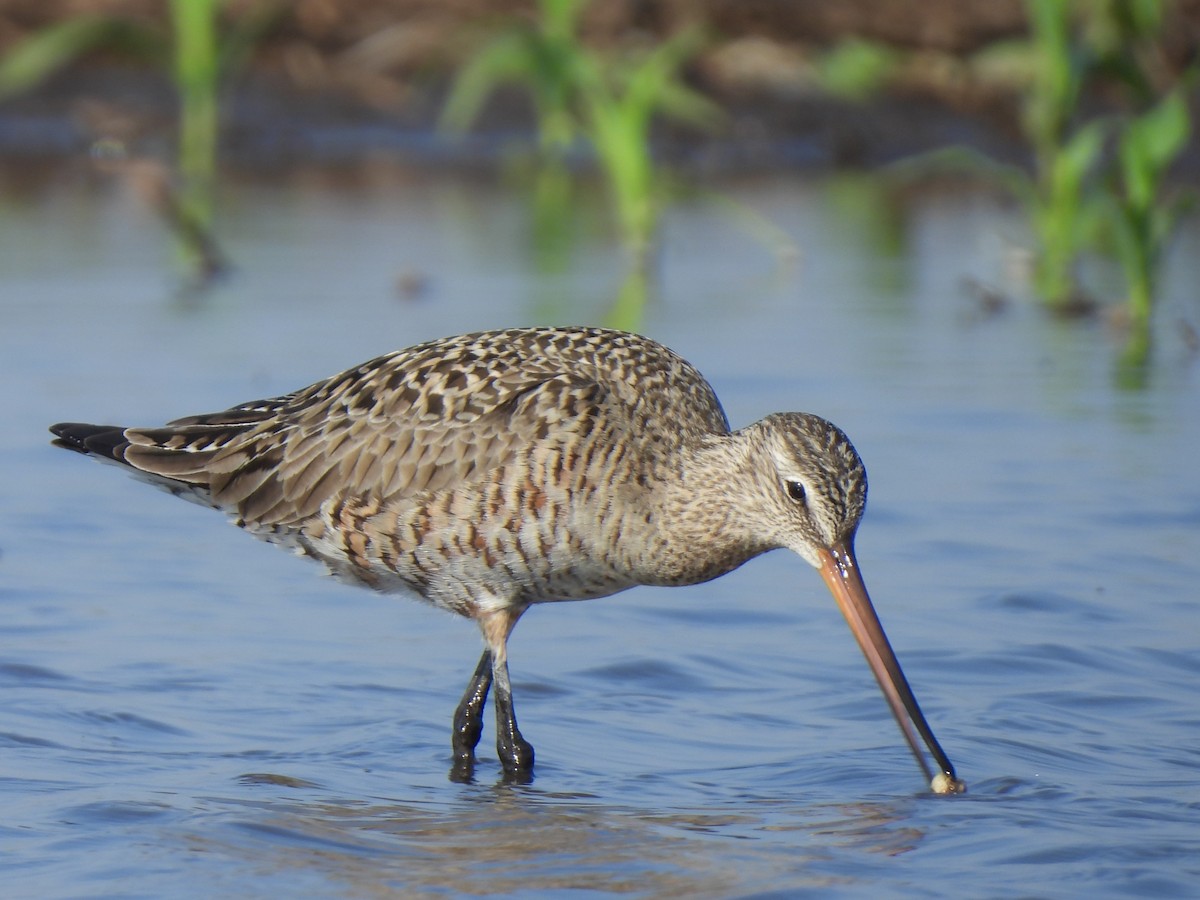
point(432, 451)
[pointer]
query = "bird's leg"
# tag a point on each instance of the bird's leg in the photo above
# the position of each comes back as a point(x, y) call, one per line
point(516, 753)
point(468, 718)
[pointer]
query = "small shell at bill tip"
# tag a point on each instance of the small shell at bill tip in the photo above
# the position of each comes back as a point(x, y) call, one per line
point(944, 784)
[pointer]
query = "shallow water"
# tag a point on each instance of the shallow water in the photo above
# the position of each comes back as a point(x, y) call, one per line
point(185, 711)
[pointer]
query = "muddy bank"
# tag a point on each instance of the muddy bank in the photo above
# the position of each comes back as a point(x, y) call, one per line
point(338, 79)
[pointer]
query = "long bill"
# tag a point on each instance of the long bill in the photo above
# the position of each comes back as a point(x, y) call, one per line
point(839, 568)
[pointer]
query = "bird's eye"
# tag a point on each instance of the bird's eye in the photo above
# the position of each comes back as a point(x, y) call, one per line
point(795, 490)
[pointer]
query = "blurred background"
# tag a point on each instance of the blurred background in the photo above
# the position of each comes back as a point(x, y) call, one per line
point(1078, 112)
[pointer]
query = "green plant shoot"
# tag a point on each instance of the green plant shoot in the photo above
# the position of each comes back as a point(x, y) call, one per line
point(577, 93)
point(1143, 219)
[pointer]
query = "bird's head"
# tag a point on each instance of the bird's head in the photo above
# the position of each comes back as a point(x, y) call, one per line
point(814, 483)
point(811, 489)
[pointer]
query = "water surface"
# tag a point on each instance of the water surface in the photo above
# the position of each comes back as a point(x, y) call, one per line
point(185, 711)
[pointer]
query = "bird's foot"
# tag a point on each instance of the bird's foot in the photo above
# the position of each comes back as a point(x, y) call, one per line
point(464, 739)
point(516, 756)
point(465, 736)
point(462, 769)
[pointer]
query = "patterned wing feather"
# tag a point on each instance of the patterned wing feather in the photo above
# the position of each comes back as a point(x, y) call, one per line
point(421, 419)
point(329, 442)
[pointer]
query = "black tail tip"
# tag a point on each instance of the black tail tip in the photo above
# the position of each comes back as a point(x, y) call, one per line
point(98, 440)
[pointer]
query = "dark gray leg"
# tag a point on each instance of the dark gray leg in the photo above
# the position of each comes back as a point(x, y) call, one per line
point(468, 719)
point(516, 753)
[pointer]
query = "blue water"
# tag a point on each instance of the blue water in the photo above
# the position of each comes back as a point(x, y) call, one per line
point(187, 712)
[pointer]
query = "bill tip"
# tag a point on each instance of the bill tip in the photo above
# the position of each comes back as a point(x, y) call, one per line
point(945, 784)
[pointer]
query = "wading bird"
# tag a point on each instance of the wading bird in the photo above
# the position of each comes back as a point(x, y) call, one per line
point(491, 472)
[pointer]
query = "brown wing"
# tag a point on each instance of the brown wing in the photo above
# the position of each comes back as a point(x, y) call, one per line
point(419, 419)
point(276, 462)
